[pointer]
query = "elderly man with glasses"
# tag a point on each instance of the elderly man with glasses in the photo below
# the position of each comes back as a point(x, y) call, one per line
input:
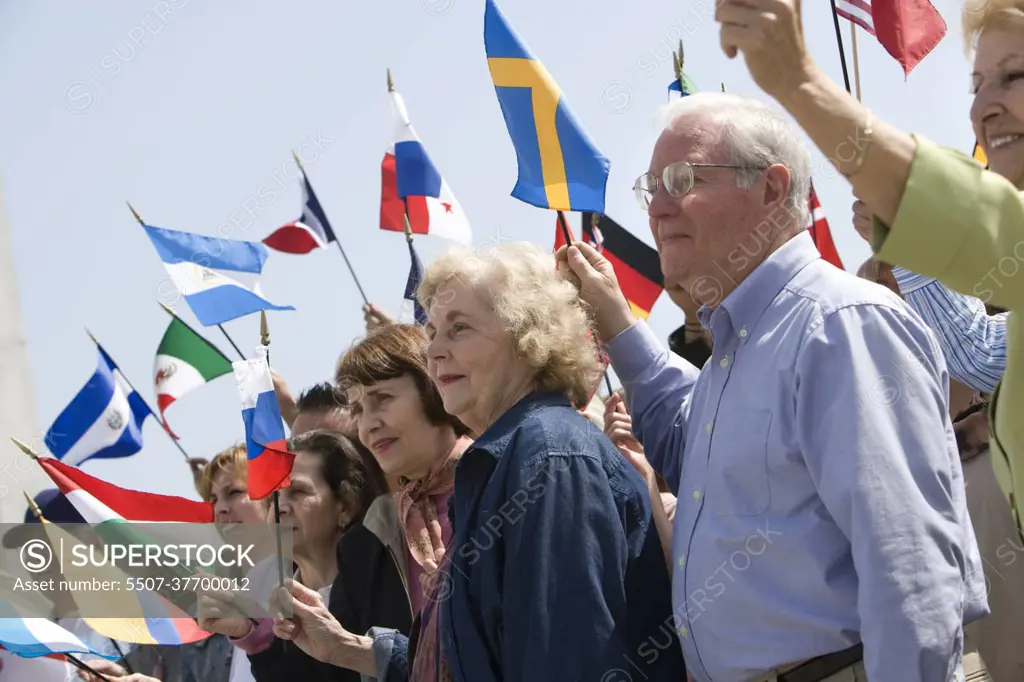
point(821, 528)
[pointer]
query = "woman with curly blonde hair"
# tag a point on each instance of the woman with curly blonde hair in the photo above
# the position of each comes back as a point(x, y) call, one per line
point(555, 569)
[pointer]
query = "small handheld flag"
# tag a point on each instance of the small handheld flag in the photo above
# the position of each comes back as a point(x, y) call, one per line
point(195, 264)
point(270, 463)
point(637, 265)
point(37, 637)
point(184, 361)
point(103, 420)
point(560, 167)
point(311, 231)
point(681, 86)
point(907, 29)
point(820, 231)
point(979, 154)
point(412, 185)
point(412, 311)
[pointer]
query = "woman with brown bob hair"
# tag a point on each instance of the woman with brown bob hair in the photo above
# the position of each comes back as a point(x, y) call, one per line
point(402, 421)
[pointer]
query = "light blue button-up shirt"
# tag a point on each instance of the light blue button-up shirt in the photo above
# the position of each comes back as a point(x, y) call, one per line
point(820, 496)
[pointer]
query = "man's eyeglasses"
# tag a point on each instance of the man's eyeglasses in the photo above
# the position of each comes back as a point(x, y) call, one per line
point(676, 178)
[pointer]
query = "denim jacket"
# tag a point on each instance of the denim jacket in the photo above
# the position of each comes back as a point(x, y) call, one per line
point(557, 572)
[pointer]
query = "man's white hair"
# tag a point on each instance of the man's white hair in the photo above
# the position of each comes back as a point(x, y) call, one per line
point(756, 135)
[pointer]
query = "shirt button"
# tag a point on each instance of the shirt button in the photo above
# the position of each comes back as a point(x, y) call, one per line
point(682, 561)
point(724, 362)
point(743, 333)
point(707, 427)
point(683, 632)
point(696, 494)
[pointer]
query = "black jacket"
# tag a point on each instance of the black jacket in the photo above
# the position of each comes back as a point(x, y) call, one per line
point(695, 352)
point(370, 590)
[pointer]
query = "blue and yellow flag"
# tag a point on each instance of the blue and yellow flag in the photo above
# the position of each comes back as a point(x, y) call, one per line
point(560, 167)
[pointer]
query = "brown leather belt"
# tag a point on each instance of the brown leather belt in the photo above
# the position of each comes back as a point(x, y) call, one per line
point(822, 667)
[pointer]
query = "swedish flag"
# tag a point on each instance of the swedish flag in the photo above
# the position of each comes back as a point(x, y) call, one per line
point(560, 167)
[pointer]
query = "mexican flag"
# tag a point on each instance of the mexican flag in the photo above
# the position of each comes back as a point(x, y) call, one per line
point(184, 361)
point(112, 510)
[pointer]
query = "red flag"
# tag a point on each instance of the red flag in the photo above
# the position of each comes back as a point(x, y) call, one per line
point(907, 29)
point(820, 232)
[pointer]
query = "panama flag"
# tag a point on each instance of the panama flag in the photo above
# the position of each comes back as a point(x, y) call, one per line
point(38, 637)
point(103, 420)
point(146, 616)
point(411, 182)
point(193, 260)
point(311, 231)
point(270, 463)
point(184, 361)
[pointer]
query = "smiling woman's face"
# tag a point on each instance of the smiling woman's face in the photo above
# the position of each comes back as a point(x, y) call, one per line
point(471, 358)
point(998, 110)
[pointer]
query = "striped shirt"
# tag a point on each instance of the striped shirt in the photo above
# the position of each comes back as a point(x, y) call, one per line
point(973, 341)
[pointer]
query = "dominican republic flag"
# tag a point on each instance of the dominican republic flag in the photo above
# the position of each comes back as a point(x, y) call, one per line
point(907, 29)
point(412, 311)
point(270, 463)
point(310, 231)
point(193, 260)
point(411, 182)
point(117, 514)
point(38, 637)
point(820, 232)
point(103, 420)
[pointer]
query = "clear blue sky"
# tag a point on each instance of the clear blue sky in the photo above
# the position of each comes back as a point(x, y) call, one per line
point(186, 108)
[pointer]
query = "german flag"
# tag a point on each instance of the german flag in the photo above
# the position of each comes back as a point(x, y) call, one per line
point(979, 155)
point(636, 264)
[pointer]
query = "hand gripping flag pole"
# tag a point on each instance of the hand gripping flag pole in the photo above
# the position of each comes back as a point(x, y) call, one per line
point(219, 326)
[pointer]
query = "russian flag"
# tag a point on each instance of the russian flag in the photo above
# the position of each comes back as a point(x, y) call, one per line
point(193, 262)
point(411, 182)
point(311, 231)
point(270, 463)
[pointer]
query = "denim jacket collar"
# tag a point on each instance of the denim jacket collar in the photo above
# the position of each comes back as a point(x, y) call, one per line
point(496, 438)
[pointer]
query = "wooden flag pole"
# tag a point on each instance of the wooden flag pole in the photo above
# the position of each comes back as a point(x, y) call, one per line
point(144, 402)
point(219, 326)
point(856, 59)
point(336, 240)
point(265, 340)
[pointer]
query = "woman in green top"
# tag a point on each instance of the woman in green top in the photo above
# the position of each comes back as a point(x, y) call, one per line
point(937, 212)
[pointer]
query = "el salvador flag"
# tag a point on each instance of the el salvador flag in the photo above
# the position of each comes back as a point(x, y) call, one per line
point(269, 462)
point(193, 260)
point(412, 311)
point(37, 637)
point(103, 420)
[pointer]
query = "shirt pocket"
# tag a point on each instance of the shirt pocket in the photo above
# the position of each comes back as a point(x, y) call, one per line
point(738, 464)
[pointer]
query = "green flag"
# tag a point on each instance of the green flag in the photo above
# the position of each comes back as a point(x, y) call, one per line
point(184, 361)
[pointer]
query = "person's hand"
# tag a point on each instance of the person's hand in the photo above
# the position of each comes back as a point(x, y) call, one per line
point(618, 425)
point(217, 615)
point(197, 464)
point(770, 35)
point(312, 627)
point(103, 667)
point(285, 401)
point(375, 317)
point(593, 275)
point(862, 219)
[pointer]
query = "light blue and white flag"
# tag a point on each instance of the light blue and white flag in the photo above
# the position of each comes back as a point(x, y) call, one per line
point(37, 637)
point(193, 262)
point(103, 420)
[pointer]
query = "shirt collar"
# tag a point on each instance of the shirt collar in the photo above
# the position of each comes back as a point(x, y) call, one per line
point(496, 438)
point(748, 301)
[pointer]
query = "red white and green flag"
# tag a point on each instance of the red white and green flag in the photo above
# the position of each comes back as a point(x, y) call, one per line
point(112, 511)
point(184, 361)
